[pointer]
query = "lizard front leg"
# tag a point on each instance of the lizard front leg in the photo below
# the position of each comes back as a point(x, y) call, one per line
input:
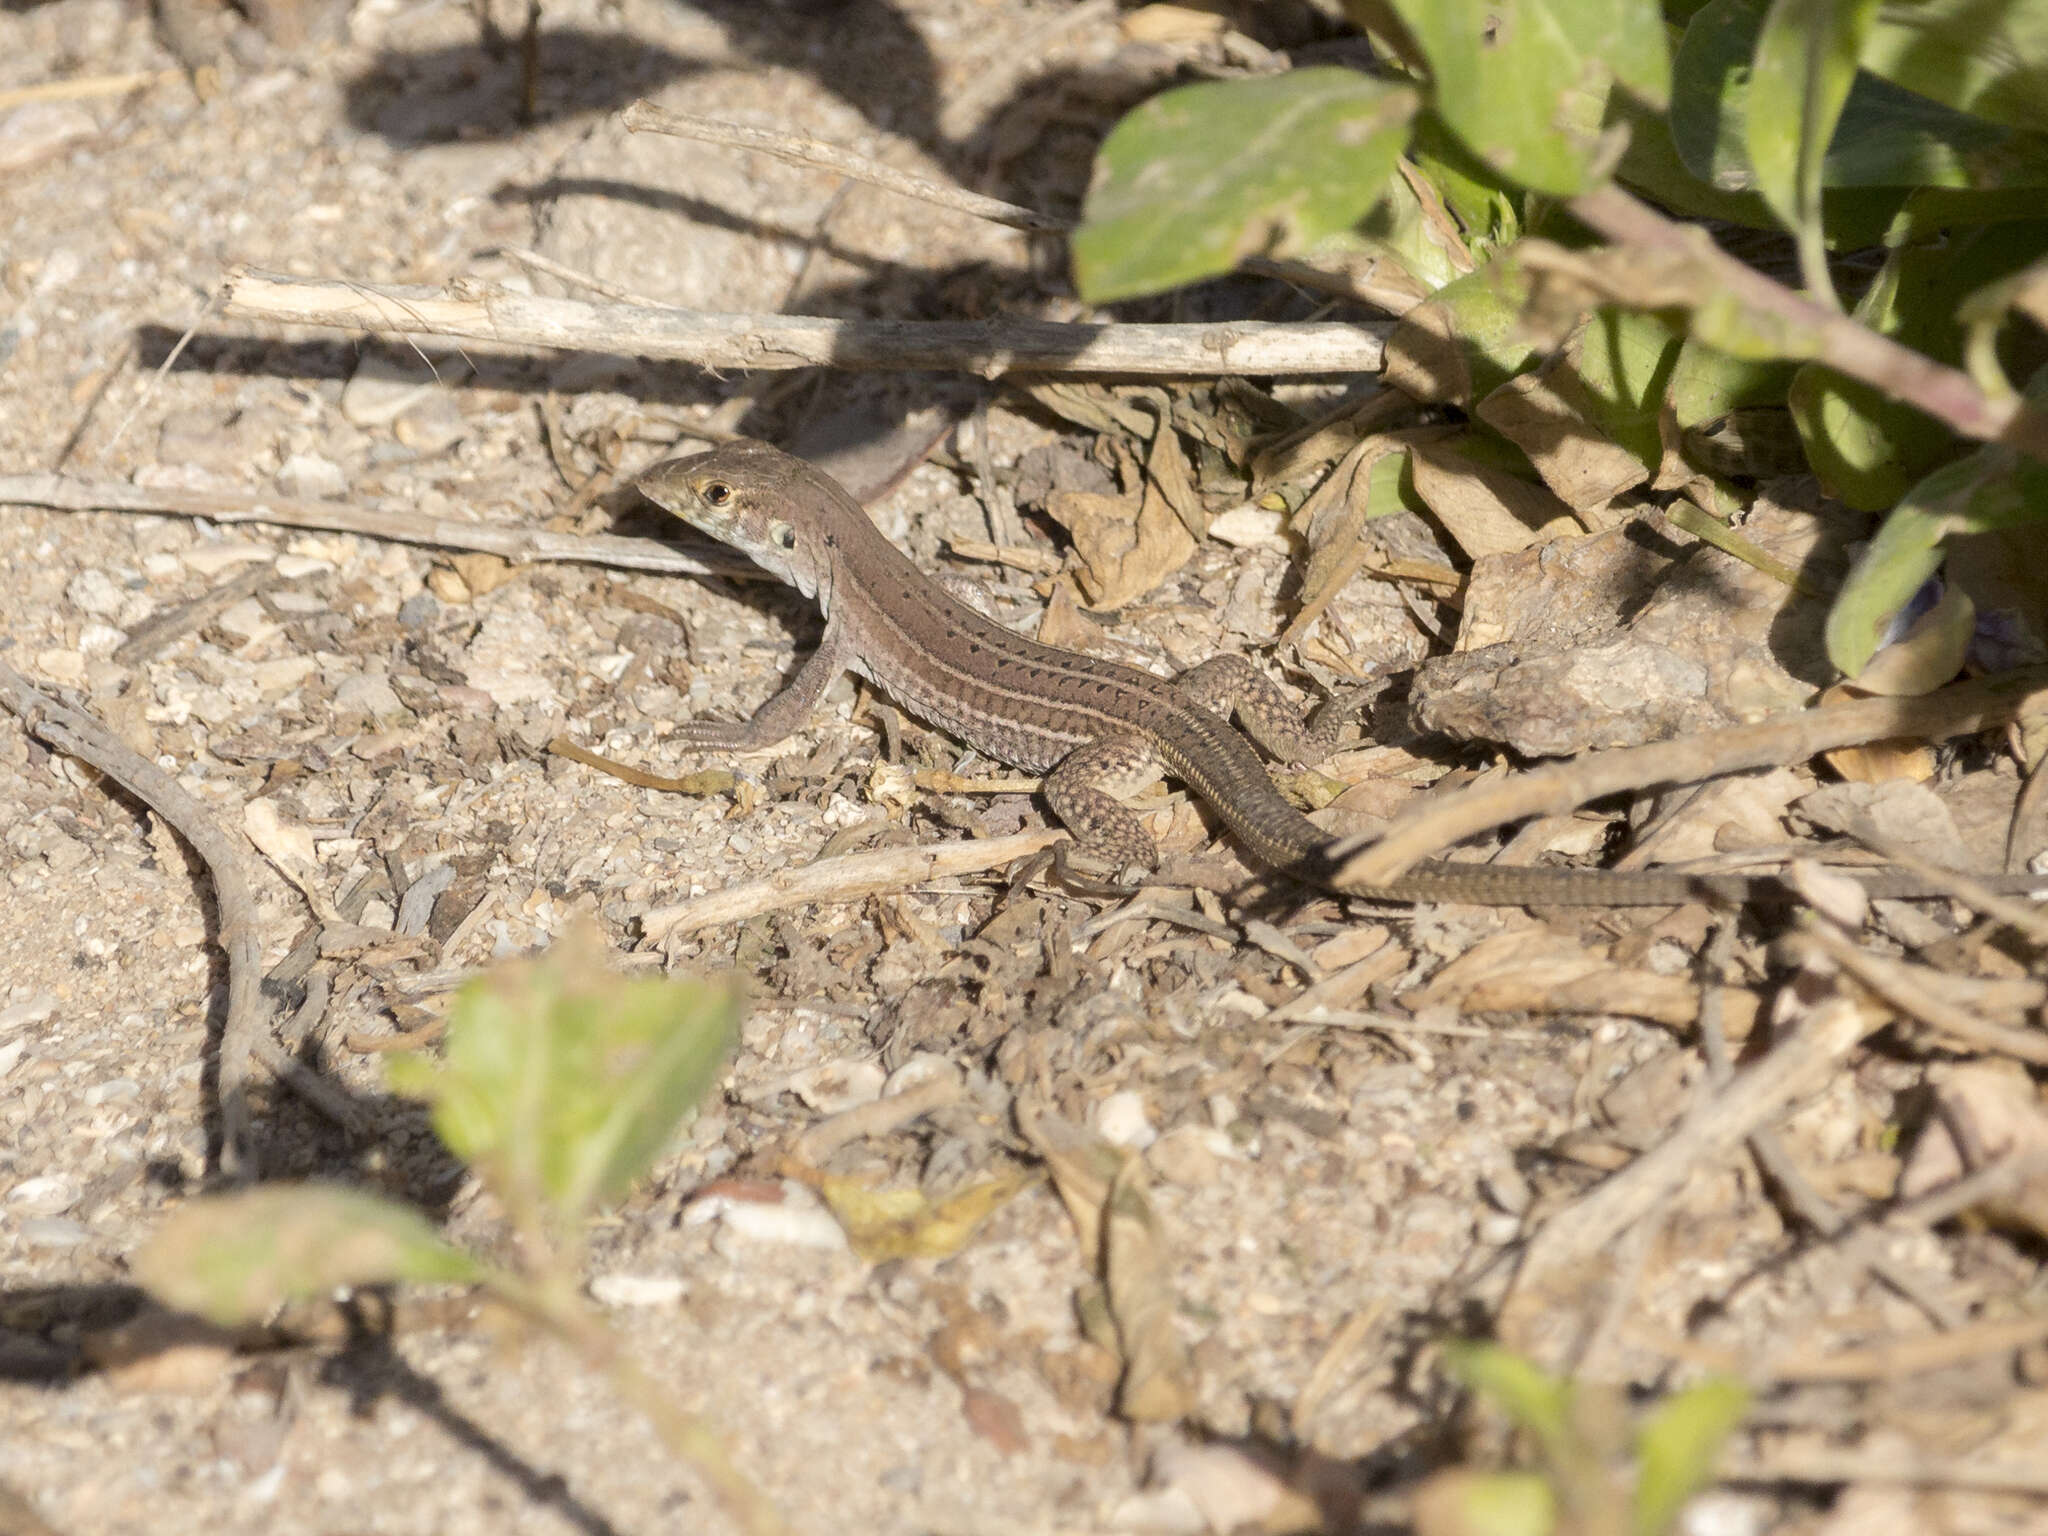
point(1231, 684)
point(785, 714)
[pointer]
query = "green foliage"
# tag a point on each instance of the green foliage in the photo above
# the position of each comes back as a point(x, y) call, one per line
point(237, 1258)
point(1918, 130)
point(562, 1080)
point(1524, 83)
point(1581, 1436)
point(1198, 178)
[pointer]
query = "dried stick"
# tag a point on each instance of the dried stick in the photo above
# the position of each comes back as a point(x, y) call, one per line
point(79, 734)
point(1909, 1357)
point(1824, 1466)
point(1900, 985)
point(865, 1122)
point(478, 312)
point(1957, 711)
point(801, 149)
point(61, 493)
point(1570, 1258)
point(843, 879)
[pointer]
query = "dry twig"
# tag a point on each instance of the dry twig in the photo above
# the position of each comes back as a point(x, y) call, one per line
point(61, 493)
point(73, 731)
point(478, 312)
point(843, 879)
point(1956, 711)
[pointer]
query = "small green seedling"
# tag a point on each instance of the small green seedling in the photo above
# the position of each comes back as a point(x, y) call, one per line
point(561, 1082)
point(1595, 1477)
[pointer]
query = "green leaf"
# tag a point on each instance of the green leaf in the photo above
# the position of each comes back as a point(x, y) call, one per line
point(1524, 83)
point(1461, 1502)
point(1868, 448)
point(1991, 489)
point(1800, 75)
point(236, 1258)
point(1988, 58)
point(1886, 136)
point(1677, 1448)
point(1197, 178)
point(1532, 1397)
point(562, 1080)
point(1466, 340)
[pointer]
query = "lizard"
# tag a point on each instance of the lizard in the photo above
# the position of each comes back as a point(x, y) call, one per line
point(1097, 730)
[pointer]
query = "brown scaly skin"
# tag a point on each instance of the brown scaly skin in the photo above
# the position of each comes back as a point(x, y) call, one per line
point(1097, 730)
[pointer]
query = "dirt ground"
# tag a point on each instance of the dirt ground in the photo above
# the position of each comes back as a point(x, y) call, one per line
point(1335, 1197)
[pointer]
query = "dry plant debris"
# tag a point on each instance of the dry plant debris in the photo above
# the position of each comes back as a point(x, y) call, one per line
point(1291, 1143)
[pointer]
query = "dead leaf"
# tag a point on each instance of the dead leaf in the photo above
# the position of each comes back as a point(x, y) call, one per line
point(1082, 1166)
point(1544, 414)
point(1929, 653)
point(1986, 1112)
point(883, 1224)
point(1126, 548)
point(1158, 1385)
point(1487, 511)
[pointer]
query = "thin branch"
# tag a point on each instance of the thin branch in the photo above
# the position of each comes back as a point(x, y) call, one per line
point(801, 149)
point(74, 732)
point(1901, 985)
point(842, 879)
point(1571, 1257)
point(1825, 1466)
point(1957, 711)
point(478, 312)
point(61, 493)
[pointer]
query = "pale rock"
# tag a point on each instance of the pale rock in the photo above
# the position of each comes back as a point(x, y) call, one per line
point(213, 558)
point(95, 593)
point(100, 639)
point(61, 666)
point(283, 674)
point(369, 696)
point(49, 1194)
point(1123, 1121)
point(501, 658)
point(248, 620)
point(624, 1290)
point(311, 475)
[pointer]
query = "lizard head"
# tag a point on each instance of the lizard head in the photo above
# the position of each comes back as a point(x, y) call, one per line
point(750, 496)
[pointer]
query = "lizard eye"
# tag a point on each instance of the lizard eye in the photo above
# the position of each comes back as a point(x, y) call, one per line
point(783, 535)
point(718, 493)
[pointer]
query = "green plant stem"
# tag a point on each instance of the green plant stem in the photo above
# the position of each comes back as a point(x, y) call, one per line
point(1845, 345)
point(554, 1304)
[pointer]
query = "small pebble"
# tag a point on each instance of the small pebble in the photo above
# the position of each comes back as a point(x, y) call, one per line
point(48, 1194)
point(623, 1290)
point(311, 475)
point(61, 666)
point(54, 1232)
point(100, 639)
point(211, 559)
point(96, 593)
point(1123, 1121)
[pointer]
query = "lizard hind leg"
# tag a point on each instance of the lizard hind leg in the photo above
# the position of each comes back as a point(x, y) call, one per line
point(1233, 685)
point(1086, 791)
